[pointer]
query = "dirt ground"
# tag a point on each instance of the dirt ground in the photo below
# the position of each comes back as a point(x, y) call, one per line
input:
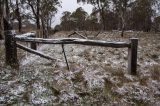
point(97, 75)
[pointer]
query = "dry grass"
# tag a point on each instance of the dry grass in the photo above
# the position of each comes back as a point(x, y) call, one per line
point(155, 72)
point(96, 63)
point(143, 81)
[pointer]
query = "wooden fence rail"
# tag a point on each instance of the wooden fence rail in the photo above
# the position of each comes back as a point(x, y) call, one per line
point(74, 41)
point(11, 51)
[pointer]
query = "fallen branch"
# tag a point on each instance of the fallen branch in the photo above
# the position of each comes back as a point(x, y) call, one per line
point(71, 34)
point(85, 33)
point(97, 34)
point(34, 52)
point(82, 36)
point(93, 35)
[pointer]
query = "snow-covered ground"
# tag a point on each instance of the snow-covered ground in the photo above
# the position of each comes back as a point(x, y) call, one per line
point(97, 75)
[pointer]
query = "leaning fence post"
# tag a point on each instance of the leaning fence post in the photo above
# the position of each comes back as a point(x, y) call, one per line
point(132, 56)
point(10, 49)
point(33, 44)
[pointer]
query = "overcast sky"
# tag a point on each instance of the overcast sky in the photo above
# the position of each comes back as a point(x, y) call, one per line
point(70, 5)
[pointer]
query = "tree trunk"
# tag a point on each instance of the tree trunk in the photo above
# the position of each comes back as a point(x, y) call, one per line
point(49, 25)
point(123, 27)
point(18, 17)
point(101, 15)
point(123, 17)
point(44, 28)
point(37, 17)
point(103, 20)
point(1, 19)
point(38, 23)
point(20, 24)
point(7, 12)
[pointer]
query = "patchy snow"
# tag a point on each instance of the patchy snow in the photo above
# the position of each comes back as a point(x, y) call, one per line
point(18, 90)
point(97, 75)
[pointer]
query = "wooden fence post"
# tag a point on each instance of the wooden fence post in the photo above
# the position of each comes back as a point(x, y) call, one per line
point(33, 44)
point(10, 49)
point(132, 56)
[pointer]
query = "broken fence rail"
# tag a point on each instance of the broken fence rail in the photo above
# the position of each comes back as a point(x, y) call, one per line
point(11, 38)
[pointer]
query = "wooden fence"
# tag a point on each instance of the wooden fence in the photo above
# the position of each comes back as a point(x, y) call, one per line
point(11, 47)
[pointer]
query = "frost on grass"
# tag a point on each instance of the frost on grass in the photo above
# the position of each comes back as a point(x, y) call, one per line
point(97, 75)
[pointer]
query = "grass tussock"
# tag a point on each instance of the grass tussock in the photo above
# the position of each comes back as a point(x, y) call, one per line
point(143, 81)
point(155, 72)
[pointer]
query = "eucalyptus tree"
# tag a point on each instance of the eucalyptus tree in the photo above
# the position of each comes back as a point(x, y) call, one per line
point(143, 12)
point(92, 22)
point(35, 8)
point(66, 21)
point(42, 11)
point(15, 12)
point(101, 6)
point(4, 14)
point(48, 9)
point(79, 16)
point(121, 7)
point(18, 15)
point(66, 15)
point(156, 23)
point(79, 19)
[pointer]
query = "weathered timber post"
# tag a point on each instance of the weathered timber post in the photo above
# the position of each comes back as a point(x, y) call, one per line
point(132, 56)
point(10, 49)
point(33, 44)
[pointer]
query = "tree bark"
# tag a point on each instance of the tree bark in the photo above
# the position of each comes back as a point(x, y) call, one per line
point(44, 28)
point(102, 15)
point(10, 45)
point(18, 16)
point(37, 16)
point(123, 24)
point(123, 17)
point(7, 12)
point(1, 19)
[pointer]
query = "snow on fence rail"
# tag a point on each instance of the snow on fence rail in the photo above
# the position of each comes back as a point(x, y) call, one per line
point(11, 51)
